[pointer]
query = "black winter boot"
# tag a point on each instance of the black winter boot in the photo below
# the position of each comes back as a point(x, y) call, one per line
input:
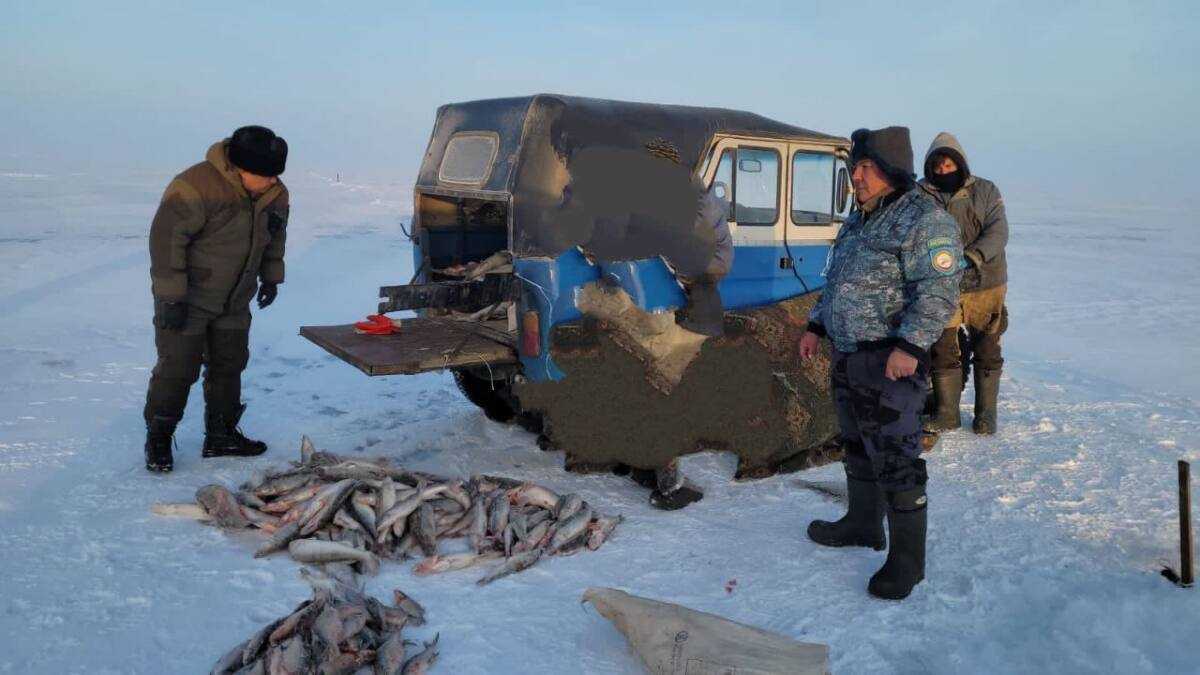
point(863, 523)
point(672, 490)
point(160, 436)
point(222, 438)
point(905, 566)
point(678, 498)
point(947, 390)
point(987, 390)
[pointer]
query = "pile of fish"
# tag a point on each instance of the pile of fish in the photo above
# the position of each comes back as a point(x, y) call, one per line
point(327, 509)
point(340, 630)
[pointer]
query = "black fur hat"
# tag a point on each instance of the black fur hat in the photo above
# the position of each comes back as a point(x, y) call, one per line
point(258, 150)
point(890, 148)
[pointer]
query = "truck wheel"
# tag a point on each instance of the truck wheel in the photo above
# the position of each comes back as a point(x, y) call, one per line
point(492, 396)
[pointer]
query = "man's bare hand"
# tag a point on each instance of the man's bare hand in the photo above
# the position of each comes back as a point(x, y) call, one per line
point(899, 364)
point(809, 344)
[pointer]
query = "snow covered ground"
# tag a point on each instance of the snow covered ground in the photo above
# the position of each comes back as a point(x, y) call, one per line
point(1044, 545)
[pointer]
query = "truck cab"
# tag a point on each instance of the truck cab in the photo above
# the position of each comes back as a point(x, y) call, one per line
point(788, 197)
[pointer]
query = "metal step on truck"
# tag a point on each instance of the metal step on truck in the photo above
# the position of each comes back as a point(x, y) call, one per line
point(553, 240)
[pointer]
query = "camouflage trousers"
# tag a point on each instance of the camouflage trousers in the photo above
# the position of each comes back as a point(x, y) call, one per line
point(220, 343)
point(879, 419)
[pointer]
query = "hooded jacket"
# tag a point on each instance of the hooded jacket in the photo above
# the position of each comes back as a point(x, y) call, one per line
point(979, 210)
point(211, 241)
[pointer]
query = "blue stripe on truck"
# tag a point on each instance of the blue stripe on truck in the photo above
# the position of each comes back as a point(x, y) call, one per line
point(756, 280)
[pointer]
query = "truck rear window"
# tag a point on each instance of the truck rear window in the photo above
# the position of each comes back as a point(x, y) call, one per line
point(468, 157)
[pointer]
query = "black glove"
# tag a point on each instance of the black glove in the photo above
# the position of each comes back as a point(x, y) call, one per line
point(171, 315)
point(266, 295)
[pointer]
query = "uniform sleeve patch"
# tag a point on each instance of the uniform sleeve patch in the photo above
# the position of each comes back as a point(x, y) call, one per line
point(940, 242)
point(943, 260)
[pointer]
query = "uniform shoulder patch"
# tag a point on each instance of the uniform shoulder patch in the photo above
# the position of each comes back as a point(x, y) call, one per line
point(943, 260)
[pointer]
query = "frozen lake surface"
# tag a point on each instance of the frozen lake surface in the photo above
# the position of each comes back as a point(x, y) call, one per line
point(1044, 545)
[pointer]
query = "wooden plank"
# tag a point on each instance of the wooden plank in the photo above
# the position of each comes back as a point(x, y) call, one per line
point(421, 345)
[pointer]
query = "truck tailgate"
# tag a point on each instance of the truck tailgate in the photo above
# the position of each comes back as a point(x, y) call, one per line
point(420, 345)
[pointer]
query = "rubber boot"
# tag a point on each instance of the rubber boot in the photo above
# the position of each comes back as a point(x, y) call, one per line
point(905, 566)
point(160, 437)
point(863, 523)
point(672, 490)
point(947, 390)
point(987, 390)
point(222, 438)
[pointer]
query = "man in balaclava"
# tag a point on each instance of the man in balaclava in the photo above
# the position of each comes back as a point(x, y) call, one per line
point(219, 232)
point(891, 286)
point(981, 317)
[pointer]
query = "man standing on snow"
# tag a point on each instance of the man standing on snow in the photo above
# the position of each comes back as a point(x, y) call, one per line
point(979, 209)
point(891, 286)
point(704, 314)
point(218, 232)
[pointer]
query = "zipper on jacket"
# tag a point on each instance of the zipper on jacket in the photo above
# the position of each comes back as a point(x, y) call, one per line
point(246, 260)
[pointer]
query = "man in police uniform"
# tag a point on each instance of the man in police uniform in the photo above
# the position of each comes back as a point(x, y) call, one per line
point(218, 232)
point(891, 286)
point(981, 317)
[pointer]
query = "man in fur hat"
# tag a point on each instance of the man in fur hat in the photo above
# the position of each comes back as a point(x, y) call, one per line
point(215, 243)
point(891, 286)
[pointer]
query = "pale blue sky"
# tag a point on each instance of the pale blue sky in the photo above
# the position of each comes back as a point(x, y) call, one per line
point(1098, 99)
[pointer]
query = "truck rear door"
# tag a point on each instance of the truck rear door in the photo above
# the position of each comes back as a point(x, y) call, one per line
point(420, 344)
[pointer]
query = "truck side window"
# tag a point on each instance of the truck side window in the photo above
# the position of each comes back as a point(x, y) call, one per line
point(756, 187)
point(812, 188)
